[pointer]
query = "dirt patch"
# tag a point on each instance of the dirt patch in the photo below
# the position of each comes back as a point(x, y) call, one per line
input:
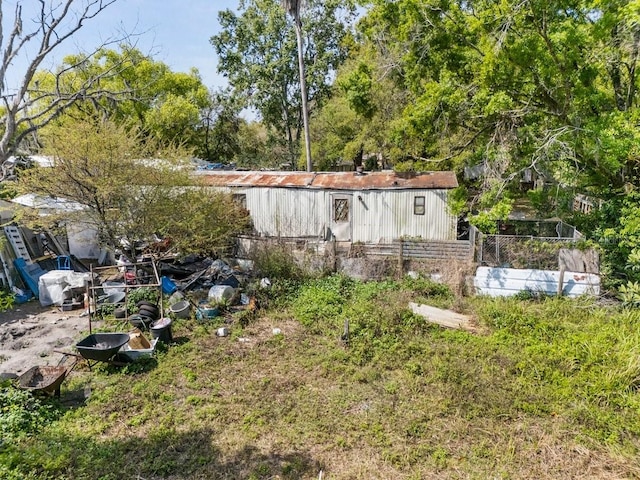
point(30, 333)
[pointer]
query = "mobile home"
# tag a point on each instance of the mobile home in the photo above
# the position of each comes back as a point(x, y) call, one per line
point(366, 207)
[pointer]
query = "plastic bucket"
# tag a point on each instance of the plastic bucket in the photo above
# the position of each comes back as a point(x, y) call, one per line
point(181, 309)
point(205, 312)
point(23, 297)
point(168, 286)
point(162, 330)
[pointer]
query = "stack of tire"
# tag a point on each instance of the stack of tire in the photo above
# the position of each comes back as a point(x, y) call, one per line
point(147, 313)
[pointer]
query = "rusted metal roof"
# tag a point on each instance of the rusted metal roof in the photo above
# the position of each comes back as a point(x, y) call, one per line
point(256, 179)
point(387, 180)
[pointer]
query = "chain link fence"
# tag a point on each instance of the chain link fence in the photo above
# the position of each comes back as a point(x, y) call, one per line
point(517, 251)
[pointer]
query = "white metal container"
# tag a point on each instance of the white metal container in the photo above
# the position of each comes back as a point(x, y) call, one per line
point(136, 353)
point(219, 293)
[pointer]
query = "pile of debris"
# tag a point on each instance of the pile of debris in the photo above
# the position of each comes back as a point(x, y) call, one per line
point(195, 273)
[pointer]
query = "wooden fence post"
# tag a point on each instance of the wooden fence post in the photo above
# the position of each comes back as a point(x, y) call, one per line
point(334, 256)
point(472, 242)
point(401, 259)
point(561, 282)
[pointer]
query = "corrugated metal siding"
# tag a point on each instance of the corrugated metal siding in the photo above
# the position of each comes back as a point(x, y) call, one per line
point(380, 217)
point(286, 212)
point(384, 216)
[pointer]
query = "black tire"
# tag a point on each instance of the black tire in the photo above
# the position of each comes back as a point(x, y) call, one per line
point(146, 304)
point(120, 313)
point(151, 308)
point(151, 312)
point(147, 320)
point(140, 321)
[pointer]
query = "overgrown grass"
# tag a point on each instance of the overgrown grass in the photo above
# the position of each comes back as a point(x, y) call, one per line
point(22, 415)
point(547, 390)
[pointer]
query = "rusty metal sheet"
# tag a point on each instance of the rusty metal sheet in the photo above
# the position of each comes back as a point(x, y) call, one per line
point(387, 180)
point(257, 179)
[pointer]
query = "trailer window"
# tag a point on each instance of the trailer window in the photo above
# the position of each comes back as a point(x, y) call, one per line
point(340, 210)
point(418, 205)
point(240, 199)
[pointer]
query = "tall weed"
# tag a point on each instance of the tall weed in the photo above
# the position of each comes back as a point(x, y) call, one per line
point(277, 262)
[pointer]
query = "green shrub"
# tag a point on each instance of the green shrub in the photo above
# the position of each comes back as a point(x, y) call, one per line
point(6, 300)
point(321, 301)
point(630, 294)
point(279, 295)
point(532, 295)
point(22, 414)
point(426, 287)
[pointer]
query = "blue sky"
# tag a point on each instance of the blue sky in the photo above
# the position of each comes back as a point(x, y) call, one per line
point(175, 32)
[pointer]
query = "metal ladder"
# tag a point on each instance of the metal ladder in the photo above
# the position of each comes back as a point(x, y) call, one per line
point(15, 239)
point(5, 276)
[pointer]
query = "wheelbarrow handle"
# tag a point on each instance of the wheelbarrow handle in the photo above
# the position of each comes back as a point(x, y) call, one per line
point(75, 356)
point(70, 354)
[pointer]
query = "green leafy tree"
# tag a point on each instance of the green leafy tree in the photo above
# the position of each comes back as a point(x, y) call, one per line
point(334, 129)
point(221, 125)
point(257, 52)
point(115, 184)
point(198, 220)
point(358, 122)
point(513, 85)
point(257, 149)
point(165, 105)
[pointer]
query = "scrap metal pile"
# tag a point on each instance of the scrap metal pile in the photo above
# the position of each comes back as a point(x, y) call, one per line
point(194, 273)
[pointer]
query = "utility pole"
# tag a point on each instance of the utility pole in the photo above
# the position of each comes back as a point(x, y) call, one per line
point(292, 7)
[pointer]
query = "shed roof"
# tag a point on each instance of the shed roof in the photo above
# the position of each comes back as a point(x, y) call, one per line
point(43, 202)
point(387, 180)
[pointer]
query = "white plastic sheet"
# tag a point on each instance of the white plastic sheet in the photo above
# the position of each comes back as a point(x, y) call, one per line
point(55, 286)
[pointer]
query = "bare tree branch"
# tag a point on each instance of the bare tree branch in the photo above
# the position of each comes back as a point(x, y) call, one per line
point(54, 23)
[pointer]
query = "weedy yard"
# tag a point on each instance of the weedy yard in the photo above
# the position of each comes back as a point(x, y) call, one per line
point(547, 388)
